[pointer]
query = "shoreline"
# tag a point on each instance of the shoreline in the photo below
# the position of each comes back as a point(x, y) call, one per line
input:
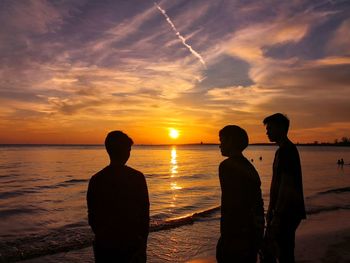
point(323, 237)
point(325, 144)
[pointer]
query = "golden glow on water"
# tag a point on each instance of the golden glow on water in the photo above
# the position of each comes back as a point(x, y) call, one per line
point(174, 186)
point(173, 174)
point(173, 162)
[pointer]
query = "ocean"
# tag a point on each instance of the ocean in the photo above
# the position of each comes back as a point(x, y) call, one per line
point(43, 190)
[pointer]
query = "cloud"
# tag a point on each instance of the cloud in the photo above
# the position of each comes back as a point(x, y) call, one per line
point(340, 43)
point(249, 43)
point(29, 17)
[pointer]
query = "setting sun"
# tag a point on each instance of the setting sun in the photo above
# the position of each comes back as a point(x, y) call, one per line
point(174, 134)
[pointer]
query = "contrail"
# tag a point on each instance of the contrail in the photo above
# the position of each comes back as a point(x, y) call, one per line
point(195, 53)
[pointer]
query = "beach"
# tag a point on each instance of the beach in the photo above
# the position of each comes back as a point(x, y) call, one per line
point(323, 237)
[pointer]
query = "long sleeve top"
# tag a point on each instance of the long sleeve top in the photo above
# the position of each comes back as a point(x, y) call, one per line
point(118, 206)
point(242, 206)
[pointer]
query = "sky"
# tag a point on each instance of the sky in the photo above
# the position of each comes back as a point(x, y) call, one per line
point(70, 71)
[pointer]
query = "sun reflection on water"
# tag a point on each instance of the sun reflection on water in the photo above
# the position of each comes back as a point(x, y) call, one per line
point(173, 174)
point(174, 186)
point(173, 162)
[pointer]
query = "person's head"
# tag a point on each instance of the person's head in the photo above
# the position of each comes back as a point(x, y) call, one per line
point(277, 126)
point(118, 146)
point(233, 139)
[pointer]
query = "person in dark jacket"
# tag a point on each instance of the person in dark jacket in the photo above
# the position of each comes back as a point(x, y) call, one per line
point(242, 208)
point(118, 206)
point(286, 207)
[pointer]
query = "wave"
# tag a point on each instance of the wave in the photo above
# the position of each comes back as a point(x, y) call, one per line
point(336, 191)
point(9, 175)
point(11, 194)
point(10, 165)
point(317, 210)
point(38, 189)
point(45, 244)
point(78, 235)
point(328, 200)
point(71, 182)
point(17, 211)
point(64, 184)
point(183, 220)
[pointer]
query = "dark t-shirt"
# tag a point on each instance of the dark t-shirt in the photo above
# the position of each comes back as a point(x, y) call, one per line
point(242, 206)
point(118, 207)
point(286, 194)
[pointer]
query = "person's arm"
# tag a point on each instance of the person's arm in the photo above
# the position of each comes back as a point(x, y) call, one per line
point(288, 192)
point(90, 206)
point(233, 186)
point(145, 218)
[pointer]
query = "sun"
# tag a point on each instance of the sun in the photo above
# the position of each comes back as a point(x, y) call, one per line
point(173, 133)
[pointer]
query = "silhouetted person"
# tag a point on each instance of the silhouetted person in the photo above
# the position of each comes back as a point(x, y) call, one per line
point(286, 207)
point(118, 206)
point(242, 209)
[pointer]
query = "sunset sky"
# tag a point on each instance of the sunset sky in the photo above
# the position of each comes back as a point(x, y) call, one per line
point(70, 71)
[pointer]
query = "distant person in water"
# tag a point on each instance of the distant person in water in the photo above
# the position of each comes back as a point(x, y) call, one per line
point(118, 206)
point(286, 208)
point(242, 209)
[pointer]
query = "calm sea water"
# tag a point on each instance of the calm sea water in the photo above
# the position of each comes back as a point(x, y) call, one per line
point(43, 189)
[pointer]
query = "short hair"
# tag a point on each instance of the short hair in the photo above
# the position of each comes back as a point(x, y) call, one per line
point(117, 142)
point(238, 135)
point(279, 119)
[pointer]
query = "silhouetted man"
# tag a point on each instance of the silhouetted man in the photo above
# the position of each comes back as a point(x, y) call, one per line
point(118, 206)
point(242, 211)
point(286, 207)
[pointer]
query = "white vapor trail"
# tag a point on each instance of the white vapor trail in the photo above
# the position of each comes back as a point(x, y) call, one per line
point(195, 53)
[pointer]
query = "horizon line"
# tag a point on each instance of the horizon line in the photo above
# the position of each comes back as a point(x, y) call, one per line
point(165, 144)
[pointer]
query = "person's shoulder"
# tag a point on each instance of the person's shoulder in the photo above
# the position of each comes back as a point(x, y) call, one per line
point(230, 164)
point(225, 163)
point(289, 147)
point(133, 172)
point(99, 174)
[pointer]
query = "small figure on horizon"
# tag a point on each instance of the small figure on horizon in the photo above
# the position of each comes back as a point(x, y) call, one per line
point(340, 162)
point(286, 208)
point(260, 158)
point(242, 208)
point(118, 206)
point(252, 160)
